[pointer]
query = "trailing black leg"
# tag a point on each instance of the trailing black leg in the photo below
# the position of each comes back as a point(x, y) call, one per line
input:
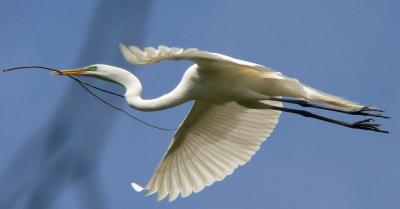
point(363, 124)
point(365, 111)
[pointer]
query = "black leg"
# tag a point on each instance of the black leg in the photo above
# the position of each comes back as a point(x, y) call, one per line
point(363, 124)
point(366, 111)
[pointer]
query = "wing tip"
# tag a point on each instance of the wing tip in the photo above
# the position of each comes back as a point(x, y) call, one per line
point(122, 46)
point(137, 187)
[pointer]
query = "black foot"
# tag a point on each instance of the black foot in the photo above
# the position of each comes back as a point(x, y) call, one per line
point(366, 111)
point(365, 125)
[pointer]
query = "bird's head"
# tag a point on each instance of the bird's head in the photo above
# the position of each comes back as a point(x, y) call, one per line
point(100, 71)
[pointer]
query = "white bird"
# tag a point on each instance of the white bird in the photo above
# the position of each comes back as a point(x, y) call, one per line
point(237, 105)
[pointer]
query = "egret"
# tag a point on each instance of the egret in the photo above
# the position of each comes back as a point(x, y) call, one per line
point(236, 106)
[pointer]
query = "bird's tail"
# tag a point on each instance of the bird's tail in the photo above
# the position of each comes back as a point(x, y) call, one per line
point(289, 87)
point(331, 100)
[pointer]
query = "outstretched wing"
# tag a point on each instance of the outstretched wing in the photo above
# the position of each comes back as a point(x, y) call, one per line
point(209, 60)
point(212, 141)
point(150, 55)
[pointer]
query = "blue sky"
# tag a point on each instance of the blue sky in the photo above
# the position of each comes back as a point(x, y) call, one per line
point(347, 47)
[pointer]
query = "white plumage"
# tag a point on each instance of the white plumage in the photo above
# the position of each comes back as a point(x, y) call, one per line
point(210, 144)
point(150, 55)
point(237, 106)
point(215, 61)
point(214, 139)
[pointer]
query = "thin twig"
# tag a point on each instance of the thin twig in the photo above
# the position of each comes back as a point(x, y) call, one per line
point(85, 86)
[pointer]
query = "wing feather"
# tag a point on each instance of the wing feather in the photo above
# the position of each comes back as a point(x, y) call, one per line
point(150, 55)
point(208, 60)
point(187, 168)
point(210, 144)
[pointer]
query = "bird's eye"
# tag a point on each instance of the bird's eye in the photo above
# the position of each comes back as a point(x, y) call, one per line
point(91, 68)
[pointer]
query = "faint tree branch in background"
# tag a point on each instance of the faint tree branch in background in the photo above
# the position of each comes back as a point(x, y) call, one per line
point(65, 151)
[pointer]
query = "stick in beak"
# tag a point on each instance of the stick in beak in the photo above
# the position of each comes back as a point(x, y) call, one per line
point(72, 72)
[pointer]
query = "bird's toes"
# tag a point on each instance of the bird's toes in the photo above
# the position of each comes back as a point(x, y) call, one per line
point(364, 121)
point(366, 125)
point(371, 109)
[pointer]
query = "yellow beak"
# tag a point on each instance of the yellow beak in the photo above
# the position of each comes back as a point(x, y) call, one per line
point(76, 71)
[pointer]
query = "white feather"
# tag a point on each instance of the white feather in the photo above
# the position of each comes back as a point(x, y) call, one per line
point(206, 149)
point(137, 187)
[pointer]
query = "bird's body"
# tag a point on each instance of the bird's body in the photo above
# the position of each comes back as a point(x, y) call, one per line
point(237, 105)
point(216, 87)
point(225, 85)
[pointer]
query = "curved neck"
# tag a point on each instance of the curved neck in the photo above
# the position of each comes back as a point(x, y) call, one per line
point(133, 96)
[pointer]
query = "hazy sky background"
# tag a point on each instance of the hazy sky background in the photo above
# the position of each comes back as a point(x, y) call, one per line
point(349, 48)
